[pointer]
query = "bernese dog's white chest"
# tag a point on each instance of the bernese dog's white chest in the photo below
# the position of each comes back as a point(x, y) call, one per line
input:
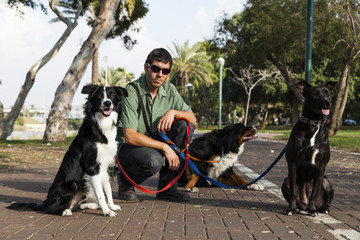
point(225, 162)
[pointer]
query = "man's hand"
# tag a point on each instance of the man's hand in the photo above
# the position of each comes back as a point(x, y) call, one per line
point(172, 158)
point(166, 121)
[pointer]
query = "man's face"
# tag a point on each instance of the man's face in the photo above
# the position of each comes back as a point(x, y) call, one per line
point(154, 76)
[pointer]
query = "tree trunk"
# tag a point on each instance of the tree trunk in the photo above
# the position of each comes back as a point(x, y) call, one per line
point(247, 107)
point(295, 110)
point(255, 119)
point(181, 85)
point(290, 82)
point(263, 122)
point(1, 117)
point(7, 124)
point(1, 111)
point(340, 101)
point(343, 90)
point(95, 68)
point(58, 117)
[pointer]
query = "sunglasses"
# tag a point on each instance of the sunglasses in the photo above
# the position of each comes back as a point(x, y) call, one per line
point(157, 69)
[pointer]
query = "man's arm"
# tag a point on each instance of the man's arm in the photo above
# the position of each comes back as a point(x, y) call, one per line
point(137, 139)
point(166, 121)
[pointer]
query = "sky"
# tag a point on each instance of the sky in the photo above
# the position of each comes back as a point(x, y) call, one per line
point(24, 40)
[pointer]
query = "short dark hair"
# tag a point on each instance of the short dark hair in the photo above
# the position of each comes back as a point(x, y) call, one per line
point(160, 55)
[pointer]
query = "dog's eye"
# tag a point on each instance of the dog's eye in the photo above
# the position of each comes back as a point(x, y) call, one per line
point(315, 94)
point(328, 94)
point(112, 95)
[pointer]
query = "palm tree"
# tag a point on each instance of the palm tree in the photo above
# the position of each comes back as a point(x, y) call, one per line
point(115, 77)
point(190, 64)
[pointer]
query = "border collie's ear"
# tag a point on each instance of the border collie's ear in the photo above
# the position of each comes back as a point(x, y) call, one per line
point(89, 89)
point(121, 91)
point(303, 86)
point(331, 86)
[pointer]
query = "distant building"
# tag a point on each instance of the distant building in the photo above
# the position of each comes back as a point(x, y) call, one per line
point(41, 114)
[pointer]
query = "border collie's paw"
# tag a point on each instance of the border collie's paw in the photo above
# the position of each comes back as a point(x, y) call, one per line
point(108, 212)
point(66, 212)
point(114, 207)
point(111, 214)
point(256, 187)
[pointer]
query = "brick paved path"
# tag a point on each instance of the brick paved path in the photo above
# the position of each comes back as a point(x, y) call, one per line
point(212, 213)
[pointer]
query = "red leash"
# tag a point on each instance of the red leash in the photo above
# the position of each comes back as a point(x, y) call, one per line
point(176, 178)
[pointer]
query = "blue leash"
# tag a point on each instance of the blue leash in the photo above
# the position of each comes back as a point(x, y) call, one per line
point(214, 182)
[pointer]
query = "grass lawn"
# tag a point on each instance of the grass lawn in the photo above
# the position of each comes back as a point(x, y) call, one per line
point(36, 142)
point(348, 137)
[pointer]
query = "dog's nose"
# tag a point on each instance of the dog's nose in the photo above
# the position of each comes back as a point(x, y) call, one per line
point(107, 103)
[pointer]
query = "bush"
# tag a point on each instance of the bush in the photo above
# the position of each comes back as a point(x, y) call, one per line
point(20, 121)
point(74, 124)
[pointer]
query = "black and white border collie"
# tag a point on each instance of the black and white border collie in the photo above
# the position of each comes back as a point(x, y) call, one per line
point(224, 146)
point(82, 181)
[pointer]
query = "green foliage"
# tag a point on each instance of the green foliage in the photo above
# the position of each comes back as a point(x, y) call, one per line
point(28, 3)
point(275, 30)
point(129, 11)
point(205, 93)
point(190, 65)
point(115, 77)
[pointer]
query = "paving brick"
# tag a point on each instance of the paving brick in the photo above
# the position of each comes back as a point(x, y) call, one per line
point(212, 213)
point(217, 233)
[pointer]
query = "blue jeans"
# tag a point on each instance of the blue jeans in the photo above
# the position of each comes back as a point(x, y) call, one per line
point(140, 163)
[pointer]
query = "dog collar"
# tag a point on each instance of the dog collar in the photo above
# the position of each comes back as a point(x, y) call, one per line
point(222, 146)
point(311, 122)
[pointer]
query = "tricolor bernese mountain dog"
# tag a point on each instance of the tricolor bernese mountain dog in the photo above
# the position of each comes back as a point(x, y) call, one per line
point(224, 147)
point(82, 181)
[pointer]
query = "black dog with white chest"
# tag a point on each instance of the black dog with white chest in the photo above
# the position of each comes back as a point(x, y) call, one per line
point(308, 153)
point(82, 180)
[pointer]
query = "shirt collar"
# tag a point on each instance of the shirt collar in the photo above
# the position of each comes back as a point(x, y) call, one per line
point(144, 89)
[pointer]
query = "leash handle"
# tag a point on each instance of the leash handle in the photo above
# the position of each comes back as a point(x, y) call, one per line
point(177, 150)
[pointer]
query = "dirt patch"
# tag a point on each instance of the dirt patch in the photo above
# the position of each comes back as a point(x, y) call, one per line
point(22, 158)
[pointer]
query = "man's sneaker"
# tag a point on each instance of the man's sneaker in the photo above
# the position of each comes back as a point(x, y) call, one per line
point(173, 194)
point(128, 195)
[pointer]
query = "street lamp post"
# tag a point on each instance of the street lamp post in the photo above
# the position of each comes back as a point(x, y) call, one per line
point(308, 46)
point(106, 71)
point(221, 62)
point(188, 87)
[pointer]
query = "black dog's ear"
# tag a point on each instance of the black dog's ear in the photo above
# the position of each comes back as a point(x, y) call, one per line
point(89, 89)
point(303, 86)
point(121, 91)
point(331, 86)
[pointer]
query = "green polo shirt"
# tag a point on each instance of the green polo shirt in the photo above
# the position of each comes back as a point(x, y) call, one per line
point(131, 117)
